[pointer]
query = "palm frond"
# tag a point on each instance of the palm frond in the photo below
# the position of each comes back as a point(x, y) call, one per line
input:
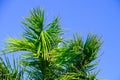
point(78, 56)
point(9, 71)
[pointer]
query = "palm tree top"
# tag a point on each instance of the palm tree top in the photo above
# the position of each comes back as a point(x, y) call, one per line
point(43, 56)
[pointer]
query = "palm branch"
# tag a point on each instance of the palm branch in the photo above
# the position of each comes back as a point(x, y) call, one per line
point(79, 57)
point(9, 71)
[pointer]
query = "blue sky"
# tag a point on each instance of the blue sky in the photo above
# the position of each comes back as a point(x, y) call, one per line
point(98, 16)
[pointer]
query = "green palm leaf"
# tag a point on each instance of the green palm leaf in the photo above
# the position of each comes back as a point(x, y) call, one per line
point(9, 71)
point(78, 57)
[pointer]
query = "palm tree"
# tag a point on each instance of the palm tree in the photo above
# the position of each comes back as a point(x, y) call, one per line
point(48, 57)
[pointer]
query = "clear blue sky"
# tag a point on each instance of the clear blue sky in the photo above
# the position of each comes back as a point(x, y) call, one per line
point(99, 16)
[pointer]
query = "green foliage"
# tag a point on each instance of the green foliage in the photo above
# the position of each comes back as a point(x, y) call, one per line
point(77, 57)
point(47, 56)
point(10, 71)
